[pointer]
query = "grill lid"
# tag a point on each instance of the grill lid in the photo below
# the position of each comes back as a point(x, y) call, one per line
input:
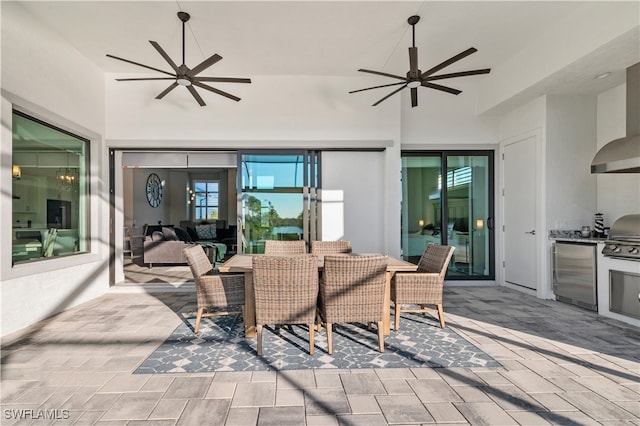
point(626, 228)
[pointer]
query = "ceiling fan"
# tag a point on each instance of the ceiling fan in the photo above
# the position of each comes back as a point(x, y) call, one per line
point(416, 78)
point(183, 75)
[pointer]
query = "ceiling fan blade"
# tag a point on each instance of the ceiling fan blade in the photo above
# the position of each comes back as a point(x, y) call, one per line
point(224, 79)
point(204, 65)
point(389, 95)
point(214, 90)
point(383, 73)
point(441, 88)
point(458, 74)
point(164, 55)
point(449, 61)
point(377, 87)
point(140, 65)
point(145, 78)
point(413, 60)
point(195, 95)
point(167, 90)
point(414, 97)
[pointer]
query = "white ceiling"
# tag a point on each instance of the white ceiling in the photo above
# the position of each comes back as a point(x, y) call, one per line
point(324, 37)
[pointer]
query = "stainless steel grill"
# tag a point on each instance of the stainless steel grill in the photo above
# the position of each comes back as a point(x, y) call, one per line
point(624, 238)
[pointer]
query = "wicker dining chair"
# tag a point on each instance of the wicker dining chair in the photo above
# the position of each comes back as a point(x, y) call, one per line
point(352, 290)
point(213, 289)
point(423, 287)
point(278, 247)
point(330, 247)
point(286, 292)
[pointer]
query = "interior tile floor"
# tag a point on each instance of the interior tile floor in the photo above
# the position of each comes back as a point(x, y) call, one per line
point(561, 365)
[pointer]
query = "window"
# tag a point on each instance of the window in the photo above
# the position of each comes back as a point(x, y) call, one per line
point(205, 199)
point(50, 209)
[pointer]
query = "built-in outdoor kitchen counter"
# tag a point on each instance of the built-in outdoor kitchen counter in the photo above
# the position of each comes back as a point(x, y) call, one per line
point(579, 252)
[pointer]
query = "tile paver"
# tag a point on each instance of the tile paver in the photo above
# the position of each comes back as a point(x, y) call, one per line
point(485, 413)
point(202, 411)
point(401, 409)
point(560, 365)
point(254, 394)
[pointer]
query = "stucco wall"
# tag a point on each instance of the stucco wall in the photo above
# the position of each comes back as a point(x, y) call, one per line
point(46, 78)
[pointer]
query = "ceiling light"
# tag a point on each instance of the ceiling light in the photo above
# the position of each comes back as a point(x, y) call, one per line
point(413, 84)
point(183, 81)
point(603, 75)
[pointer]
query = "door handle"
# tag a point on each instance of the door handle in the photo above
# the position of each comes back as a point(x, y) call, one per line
point(532, 232)
point(490, 222)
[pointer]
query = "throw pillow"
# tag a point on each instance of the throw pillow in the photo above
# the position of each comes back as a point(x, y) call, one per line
point(206, 232)
point(157, 236)
point(192, 233)
point(183, 235)
point(169, 234)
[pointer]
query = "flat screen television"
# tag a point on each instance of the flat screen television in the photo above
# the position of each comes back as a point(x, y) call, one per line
point(58, 214)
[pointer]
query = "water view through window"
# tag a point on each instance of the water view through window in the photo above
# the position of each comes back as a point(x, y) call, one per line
point(275, 202)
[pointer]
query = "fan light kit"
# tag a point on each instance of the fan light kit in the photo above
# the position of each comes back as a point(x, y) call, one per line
point(416, 78)
point(183, 75)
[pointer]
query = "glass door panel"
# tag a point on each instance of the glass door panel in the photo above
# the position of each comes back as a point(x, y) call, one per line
point(453, 208)
point(274, 198)
point(468, 214)
point(422, 205)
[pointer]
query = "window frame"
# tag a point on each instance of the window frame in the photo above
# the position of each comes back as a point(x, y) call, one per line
point(195, 193)
point(96, 228)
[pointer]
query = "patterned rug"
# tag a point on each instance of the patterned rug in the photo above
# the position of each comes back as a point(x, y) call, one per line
point(220, 346)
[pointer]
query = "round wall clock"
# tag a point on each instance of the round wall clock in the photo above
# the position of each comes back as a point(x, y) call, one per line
point(154, 190)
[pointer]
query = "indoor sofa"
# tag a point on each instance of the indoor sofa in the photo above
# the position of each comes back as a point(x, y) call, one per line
point(167, 246)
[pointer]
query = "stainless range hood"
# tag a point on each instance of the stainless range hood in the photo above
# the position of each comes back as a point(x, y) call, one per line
point(623, 155)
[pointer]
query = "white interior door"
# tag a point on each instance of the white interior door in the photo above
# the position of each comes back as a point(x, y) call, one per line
point(520, 213)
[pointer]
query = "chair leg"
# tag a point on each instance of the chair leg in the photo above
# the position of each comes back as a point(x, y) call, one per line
point(311, 343)
point(440, 315)
point(242, 312)
point(198, 319)
point(318, 322)
point(259, 338)
point(396, 312)
point(329, 328)
point(380, 336)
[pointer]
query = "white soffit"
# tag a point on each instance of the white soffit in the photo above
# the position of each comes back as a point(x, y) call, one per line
point(218, 160)
point(157, 160)
point(176, 160)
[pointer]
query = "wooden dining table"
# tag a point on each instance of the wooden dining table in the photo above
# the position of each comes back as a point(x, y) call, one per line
point(242, 263)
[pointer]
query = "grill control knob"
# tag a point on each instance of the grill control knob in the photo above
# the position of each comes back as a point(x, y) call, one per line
point(633, 250)
point(614, 248)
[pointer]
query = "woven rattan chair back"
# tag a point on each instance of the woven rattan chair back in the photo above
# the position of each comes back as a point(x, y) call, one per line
point(352, 290)
point(212, 289)
point(286, 292)
point(198, 261)
point(330, 247)
point(423, 287)
point(278, 248)
point(435, 259)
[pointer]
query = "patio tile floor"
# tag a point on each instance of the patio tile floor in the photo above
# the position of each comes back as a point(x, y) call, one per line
point(560, 365)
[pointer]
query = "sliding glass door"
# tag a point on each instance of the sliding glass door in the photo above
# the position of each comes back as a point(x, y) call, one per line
point(448, 199)
point(276, 197)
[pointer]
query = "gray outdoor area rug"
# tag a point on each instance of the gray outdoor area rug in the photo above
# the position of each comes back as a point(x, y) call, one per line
point(221, 346)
